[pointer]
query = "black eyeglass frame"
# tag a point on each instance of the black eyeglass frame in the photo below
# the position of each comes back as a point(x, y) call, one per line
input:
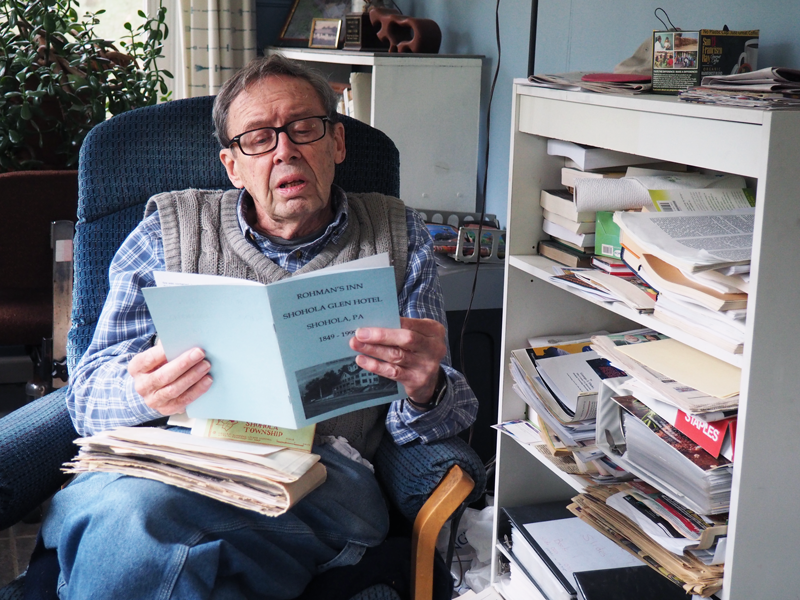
point(283, 129)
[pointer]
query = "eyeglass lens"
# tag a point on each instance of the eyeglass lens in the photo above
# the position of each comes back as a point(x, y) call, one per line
point(302, 131)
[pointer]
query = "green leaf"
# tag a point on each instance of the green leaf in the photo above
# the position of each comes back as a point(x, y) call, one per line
point(14, 136)
point(49, 23)
point(141, 14)
point(25, 111)
point(128, 27)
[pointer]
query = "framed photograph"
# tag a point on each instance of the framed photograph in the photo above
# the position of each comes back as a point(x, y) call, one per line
point(297, 28)
point(325, 33)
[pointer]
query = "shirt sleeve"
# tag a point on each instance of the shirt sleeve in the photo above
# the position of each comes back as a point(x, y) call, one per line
point(421, 298)
point(101, 394)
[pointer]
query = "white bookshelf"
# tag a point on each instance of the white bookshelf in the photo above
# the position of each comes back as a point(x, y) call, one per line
point(429, 104)
point(764, 532)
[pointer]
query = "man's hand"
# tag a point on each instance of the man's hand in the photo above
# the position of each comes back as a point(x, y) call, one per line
point(168, 386)
point(410, 355)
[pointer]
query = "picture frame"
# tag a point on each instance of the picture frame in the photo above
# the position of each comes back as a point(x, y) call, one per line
point(325, 33)
point(296, 31)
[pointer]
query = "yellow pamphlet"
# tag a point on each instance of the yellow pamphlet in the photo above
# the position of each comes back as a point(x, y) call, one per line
point(243, 431)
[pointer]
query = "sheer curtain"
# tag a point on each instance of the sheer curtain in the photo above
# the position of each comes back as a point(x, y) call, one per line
point(208, 41)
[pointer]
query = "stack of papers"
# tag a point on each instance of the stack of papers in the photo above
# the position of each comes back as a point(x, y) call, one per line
point(699, 262)
point(773, 88)
point(603, 83)
point(265, 479)
point(685, 570)
point(675, 373)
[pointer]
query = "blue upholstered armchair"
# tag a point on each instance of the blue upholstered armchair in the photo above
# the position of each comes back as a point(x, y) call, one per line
point(168, 147)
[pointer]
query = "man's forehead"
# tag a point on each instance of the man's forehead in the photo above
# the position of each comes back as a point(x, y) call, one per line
point(277, 97)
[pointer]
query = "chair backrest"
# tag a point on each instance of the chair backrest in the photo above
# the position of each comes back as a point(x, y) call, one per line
point(167, 147)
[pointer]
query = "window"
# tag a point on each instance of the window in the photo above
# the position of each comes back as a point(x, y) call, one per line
point(117, 13)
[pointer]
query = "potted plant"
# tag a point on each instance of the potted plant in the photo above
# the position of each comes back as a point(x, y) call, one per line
point(58, 79)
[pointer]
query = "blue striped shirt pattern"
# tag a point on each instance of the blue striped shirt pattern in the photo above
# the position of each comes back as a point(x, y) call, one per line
point(101, 393)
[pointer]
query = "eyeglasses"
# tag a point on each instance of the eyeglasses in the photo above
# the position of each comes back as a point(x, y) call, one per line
point(265, 139)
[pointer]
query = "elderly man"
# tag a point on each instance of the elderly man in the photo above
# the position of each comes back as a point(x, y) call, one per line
point(122, 537)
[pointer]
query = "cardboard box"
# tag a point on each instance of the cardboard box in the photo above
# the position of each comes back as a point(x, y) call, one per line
point(682, 58)
point(606, 236)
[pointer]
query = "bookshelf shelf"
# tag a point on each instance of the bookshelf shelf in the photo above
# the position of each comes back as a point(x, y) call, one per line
point(762, 146)
point(541, 267)
point(429, 104)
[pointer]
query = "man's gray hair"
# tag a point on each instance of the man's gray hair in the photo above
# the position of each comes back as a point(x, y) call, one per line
point(258, 69)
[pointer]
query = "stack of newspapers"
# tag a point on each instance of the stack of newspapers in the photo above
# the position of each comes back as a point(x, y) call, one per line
point(265, 479)
point(772, 88)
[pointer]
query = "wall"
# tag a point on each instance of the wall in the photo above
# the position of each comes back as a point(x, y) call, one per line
point(572, 35)
point(582, 35)
point(468, 27)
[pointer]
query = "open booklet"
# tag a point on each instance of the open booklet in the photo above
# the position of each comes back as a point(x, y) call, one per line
point(268, 480)
point(695, 241)
point(280, 353)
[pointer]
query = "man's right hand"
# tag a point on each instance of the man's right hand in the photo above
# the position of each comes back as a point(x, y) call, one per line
point(169, 386)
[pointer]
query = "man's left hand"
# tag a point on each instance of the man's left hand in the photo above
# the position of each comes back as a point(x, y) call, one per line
point(410, 355)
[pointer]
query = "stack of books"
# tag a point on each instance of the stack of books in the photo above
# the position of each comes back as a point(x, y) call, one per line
point(572, 231)
point(699, 263)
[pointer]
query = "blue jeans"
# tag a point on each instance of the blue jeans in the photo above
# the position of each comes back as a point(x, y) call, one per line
point(123, 537)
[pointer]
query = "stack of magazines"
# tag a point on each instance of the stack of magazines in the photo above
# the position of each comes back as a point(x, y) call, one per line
point(662, 455)
point(265, 479)
point(772, 88)
point(559, 382)
point(603, 83)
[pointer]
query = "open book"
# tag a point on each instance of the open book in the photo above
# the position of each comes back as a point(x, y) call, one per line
point(266, 479)
point(280, 353)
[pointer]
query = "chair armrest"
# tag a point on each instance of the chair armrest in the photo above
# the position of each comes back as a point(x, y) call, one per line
point(35, 441)
point(446, 498)
point(411, 472)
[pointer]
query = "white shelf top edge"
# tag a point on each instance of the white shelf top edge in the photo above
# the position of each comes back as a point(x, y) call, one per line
point(349, 57)
point(541, 267)
point(656, 103)
point(575, 482)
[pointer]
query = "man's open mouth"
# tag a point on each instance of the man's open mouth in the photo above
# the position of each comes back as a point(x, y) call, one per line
point(293, 183)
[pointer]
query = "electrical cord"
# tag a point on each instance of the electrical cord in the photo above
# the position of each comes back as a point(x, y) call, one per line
point(483, 207)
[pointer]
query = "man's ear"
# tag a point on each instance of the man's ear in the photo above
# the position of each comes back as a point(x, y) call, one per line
point(229, 162)
point(339, 149)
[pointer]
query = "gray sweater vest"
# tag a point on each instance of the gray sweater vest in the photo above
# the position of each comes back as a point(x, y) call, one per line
point(201, 234)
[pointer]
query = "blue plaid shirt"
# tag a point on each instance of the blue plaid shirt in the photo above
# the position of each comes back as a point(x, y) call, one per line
point(101, 393)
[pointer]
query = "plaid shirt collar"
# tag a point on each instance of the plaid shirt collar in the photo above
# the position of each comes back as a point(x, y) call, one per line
point(293, 256)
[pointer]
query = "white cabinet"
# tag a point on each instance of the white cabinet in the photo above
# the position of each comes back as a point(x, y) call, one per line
point(762, 552)
point(430, 106)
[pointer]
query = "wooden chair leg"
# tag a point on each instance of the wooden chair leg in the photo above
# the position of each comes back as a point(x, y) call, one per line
point(446, 498)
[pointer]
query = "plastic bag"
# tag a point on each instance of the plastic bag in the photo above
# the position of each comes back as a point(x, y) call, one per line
point(472, 555)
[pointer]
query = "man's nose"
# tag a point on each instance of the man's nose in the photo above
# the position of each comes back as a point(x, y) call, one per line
point(286, 149)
